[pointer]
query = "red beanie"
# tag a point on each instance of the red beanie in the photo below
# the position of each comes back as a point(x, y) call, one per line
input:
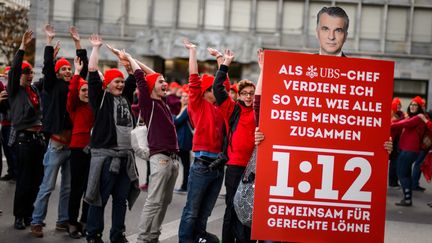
point(110, 75)
point(60, 63)
point(7, 68)
point(418, 100)
point(25, 65)
point(206, 82)
point(185, 88)
point(81, 83)
point(394, 106)
point(174, 85)
point(151, 80)
point(234, 88)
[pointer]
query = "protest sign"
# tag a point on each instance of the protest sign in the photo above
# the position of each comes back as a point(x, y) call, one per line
point(322, 168)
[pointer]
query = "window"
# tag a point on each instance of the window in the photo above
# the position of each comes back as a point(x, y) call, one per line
point(370, 22)
point(63, 10)
point(292, 22)
point(138, 12)
point(112, 11)
point(422, 28)
point(266, 16)
point(397, 24)
point(188, 16)
point(314, 8)
point(351, 11)
point(240, 15)
point(214, 14)
point(163, 14)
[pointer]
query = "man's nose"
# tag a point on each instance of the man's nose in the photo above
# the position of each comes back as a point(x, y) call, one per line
point(331, 35)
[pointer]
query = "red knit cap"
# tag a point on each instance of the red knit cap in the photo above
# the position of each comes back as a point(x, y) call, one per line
point(151, 80)
point(394, 106)
point(185, 88)
point(110, 75)
point(7, 68)
point(81, 83)
point(418, 100)
point(234, 87)
point(206, 82)
point(60, 63)
point(25, 65)
point(174, 85)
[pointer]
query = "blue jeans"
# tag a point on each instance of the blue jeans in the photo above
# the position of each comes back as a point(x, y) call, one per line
point(55, 157)
point(416, 168)
point(203, 190)
point(404, 163)
point(118, 186)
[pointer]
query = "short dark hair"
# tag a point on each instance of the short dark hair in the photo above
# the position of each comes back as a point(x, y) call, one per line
point(335, 12)
point(245, 83)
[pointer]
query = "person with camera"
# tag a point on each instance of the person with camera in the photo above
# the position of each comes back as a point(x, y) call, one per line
point(206, 173)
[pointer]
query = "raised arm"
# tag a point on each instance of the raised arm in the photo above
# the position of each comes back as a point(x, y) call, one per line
point(73, 99)
point(16, 71)
point(48, 67)
point(218, 87)
point(193, 63)
point(147, 70)
point(96, 42)
point(80, 52)
point(121, 58)
point(217, 54)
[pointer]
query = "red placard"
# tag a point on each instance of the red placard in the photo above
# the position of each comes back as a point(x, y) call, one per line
point(322, 168)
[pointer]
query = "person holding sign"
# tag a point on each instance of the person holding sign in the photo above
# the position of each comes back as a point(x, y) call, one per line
point(240, 143)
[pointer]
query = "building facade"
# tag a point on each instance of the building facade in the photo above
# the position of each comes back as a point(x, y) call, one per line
point(398, 30)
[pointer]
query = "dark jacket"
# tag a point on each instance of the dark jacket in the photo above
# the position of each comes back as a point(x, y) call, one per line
point(23, 113)
point(104, 129)
point(55, 92)
point(184, 130)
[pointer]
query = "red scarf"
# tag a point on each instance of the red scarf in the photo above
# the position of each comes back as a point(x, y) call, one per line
point(34, 99)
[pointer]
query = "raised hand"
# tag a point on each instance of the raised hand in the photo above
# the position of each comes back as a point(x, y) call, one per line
point(260, 53)
point(73, 31)
point(95, 40)
point(228, 56)
point(50, 33)
point(113, 50)
point(189, 45)
point(56, 49)
point(214, 52)
point(78, 65)
point(26, 39)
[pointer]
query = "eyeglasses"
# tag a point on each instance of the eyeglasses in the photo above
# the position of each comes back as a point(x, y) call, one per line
point(84, 90)
point(414, 105)
point(247, 94)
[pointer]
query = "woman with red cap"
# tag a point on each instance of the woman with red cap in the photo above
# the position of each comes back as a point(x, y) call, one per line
point(409, 145)
point(82, 120)
point(26, 115)
point(397, 115)
point(112, 166)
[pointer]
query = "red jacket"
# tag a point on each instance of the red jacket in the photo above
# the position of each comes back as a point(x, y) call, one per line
point(206, 119)
point(80, 114)
point(412, 133)
point(242, 142)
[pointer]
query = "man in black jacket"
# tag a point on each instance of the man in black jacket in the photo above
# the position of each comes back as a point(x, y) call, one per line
point(58, 124)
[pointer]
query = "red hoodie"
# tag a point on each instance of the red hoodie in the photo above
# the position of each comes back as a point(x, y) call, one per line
point(206, 118)
point(80, 114)
point(242, 142)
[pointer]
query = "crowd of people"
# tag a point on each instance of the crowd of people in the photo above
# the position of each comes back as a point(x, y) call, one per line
point(79, 123)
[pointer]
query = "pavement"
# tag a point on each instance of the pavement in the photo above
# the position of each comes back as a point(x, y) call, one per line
point(410, 224)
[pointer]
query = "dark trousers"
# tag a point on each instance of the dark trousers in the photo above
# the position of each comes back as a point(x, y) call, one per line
point(393, 178)
point(233, 230)
point(404, 163)
point(8, 151)
point(80, 164)
point(185, 159)
point(30, 153)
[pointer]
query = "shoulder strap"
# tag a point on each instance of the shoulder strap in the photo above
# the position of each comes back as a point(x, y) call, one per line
point(151, 115)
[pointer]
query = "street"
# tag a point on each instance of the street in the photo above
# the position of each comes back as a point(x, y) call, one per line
point(410, 224)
